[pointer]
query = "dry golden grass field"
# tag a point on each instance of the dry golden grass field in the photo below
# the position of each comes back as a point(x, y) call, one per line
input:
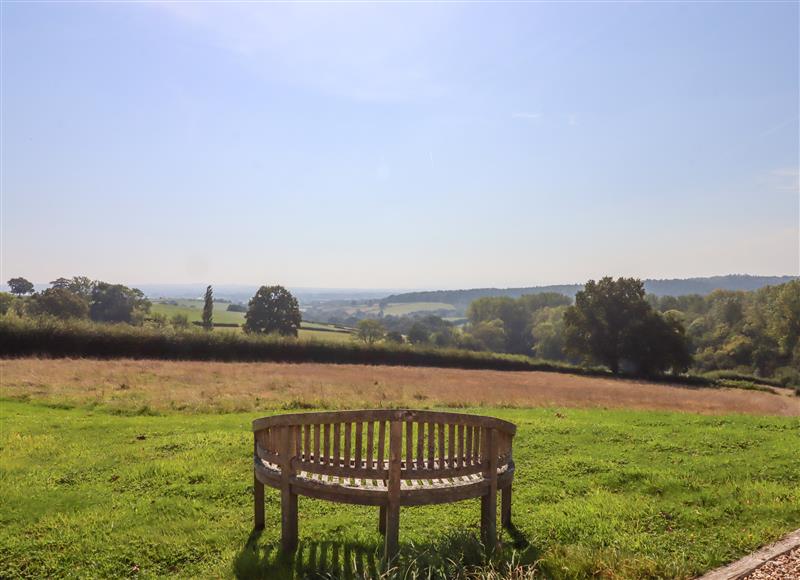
point(131, 385)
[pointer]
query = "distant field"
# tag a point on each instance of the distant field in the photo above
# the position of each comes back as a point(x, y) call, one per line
point(311, 334)
point(193, 310)
point(397, 309)
point(403, 308)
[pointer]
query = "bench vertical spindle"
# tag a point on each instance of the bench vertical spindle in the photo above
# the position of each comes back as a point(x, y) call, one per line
point(382, 465)
point(431, 452)
point(370, 445)
point(392, 544)
point(337, 440)
point(288, 499)
point(420, 465)
point(489, 501)
point(258, 491)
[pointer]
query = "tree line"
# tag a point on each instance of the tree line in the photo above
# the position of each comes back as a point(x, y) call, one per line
point(615, 323)
point(273, 309)
point(611, 322)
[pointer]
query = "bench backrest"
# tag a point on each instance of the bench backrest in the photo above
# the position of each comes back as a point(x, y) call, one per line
point(368, 444)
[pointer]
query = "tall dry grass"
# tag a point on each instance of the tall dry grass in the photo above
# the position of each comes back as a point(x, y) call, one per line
point(145, 386)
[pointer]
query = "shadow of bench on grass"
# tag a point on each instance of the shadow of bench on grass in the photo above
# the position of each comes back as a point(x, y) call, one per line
point(441, 558)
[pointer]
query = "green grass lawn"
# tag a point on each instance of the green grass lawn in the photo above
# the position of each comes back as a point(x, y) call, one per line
point(193, 309)
point(321, 335)
point(618, 494)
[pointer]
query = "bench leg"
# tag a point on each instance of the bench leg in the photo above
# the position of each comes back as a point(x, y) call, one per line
point(392, 540)
point(288, 520)
point(505, 509)
point(489, 519)
point(258, 504)
point(382, 520)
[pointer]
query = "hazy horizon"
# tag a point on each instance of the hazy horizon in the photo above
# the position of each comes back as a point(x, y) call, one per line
point(223, 288)
point(368, 146)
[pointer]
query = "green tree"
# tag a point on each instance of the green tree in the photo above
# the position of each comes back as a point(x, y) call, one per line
point(273, 309)
point(548, 333)
point(208, 309)
point(423, 330)
point(179, 321)
point(656, 344)
point(513, 315)
point(445, 337)
point(370, 330)
point(418, 334)
point(62, 283)
point(785, 316)
point(159, 320)
point(118, 303)
point(6, 301)
point(611, 323)
point(727, 307)
point(516, 316)
point(535, 302)
point(489, 335)
point(395, 337)
point(61, 303)
point(82, 285)
point(20, 286)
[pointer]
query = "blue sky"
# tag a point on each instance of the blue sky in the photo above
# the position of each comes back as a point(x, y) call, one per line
point(401, 145)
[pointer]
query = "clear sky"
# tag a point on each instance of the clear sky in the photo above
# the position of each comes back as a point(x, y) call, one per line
point(400, 145)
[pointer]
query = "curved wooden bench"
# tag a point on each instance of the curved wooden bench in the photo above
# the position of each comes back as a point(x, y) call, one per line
point(385, 458)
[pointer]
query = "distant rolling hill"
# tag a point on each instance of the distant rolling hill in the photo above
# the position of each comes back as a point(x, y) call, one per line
point(673, 287)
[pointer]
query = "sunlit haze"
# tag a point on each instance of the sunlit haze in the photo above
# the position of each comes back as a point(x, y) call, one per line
point(399, 146)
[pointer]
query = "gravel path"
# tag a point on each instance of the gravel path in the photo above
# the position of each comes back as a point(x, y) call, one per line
point(784, 567)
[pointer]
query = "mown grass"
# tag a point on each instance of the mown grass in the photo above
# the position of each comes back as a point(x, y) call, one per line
point(193, 310)
point(616, 494)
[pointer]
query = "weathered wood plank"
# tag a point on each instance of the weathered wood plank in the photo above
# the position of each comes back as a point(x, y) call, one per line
point(409, 444)
point(431, 446)
point(451, 441)
point(476, 445)
point(392, 541)
point(348, 443)
point(370, 445)
point(420, 464)
point(468, 451)
point(307, 442)
point(288, 499)
point(317, 429)
point(381, 444)
point(460, 443)
point(337, 440)
point(297, 446)
point(326, 444)
point(359, 443)
point(440, 429)
point(489, 501)
point(386, 415)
